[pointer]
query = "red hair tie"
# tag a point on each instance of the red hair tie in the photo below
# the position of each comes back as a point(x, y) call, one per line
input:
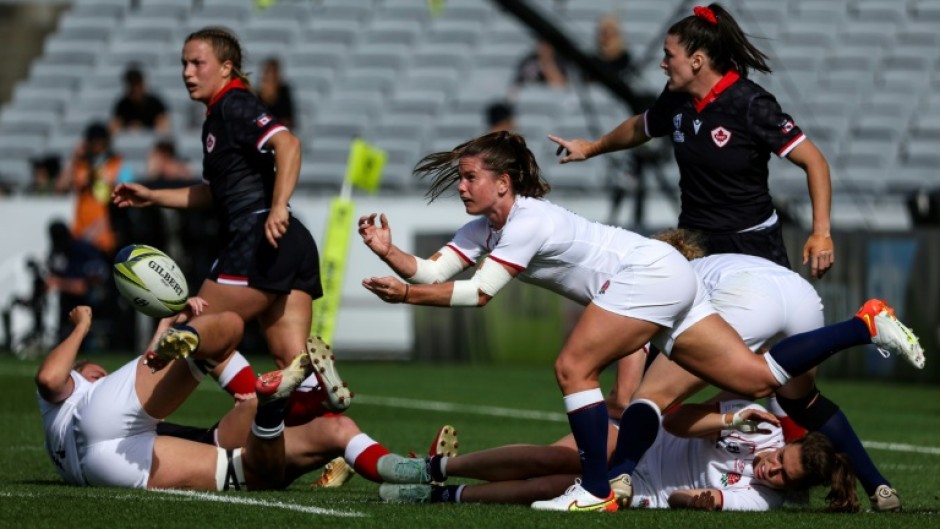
point(706, 13)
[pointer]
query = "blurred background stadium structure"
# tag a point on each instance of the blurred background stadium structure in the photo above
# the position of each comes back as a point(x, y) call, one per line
point(859, 76)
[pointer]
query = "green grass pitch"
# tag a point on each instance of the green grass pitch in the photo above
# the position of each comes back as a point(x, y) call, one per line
point(402, 405)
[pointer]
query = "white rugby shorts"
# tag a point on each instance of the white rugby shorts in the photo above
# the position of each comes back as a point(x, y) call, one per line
point(114, 435)
point(659, 287)
point(764, 307)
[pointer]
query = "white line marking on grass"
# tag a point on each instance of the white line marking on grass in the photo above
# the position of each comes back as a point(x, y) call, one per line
point(495, 411)
point(206, 496)
point(491, 411)
point(900, 447)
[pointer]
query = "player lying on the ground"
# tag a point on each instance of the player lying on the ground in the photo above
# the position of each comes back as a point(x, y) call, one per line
point(86, 400)
point(716, 467)
point(101, 428)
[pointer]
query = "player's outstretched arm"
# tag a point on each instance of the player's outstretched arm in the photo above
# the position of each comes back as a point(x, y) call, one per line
point(139, 196)
point(53, 379)
point(627, 135)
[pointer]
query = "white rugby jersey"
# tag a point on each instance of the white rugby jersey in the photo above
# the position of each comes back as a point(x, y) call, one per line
point(555, 248)
point(725, 464)
point(58, 425)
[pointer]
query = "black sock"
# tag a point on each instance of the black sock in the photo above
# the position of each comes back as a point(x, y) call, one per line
point(435, 470)
point(444, 494)
point(271, 414)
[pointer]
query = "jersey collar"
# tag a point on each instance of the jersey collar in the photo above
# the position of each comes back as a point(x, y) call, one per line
point(726, 80)
point(233, 84)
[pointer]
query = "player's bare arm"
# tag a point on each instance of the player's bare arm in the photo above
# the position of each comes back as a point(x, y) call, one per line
point(819, 251)
point(53, 379)
point(287, 158)
point(627, 135)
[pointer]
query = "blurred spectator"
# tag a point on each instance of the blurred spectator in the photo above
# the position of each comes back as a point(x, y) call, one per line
point(627, 174)
point(500, 115)
point(35, 304)
point(92, 173)
point(612, 48)
point(164, 165)
point(45, 170)
point(78, 271)
point(275, 93)
point(541, 66)
point(138, 109)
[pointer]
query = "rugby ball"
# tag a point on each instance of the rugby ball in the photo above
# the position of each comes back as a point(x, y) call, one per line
point(150, 280)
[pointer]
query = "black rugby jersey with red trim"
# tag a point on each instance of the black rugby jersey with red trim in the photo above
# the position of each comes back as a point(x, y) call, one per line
point(722, 145)
point(239, 172)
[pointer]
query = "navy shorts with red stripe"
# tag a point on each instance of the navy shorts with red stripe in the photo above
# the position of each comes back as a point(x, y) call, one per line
point(249, 259)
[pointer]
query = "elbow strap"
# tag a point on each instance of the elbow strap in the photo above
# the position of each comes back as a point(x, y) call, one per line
point(489, 279)
point(429, 271)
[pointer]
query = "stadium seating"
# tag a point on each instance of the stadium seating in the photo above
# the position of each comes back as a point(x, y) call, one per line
point(857, 75)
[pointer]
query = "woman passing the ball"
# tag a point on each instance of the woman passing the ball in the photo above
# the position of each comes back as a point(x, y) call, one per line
point(635, 290)
point(724, 128)
point(269, 265)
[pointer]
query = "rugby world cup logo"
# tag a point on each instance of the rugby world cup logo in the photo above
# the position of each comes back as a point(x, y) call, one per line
point(677, 135)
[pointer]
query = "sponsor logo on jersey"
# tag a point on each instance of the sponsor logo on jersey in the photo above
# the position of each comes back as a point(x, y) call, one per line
point(730, 478)
point(210, 143)
point(677, 121)
point(696, 124)
point(721, 136)
point(787, 126)
point(604, 287)
point(263, 120)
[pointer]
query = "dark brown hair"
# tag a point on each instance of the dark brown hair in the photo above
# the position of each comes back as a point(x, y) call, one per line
point(502, 152)
point(226, 47)
point(724, 42)
point(823, 466)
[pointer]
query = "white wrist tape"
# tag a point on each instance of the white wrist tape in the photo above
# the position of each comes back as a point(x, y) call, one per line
point(490, 278)
point(739, 423)
point(446, 266)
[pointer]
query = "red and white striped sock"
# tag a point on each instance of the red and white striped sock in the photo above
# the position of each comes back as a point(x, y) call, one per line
point(238, 377)
point(364, 453)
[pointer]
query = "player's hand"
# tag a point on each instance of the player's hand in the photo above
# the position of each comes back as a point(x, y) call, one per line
point(378, 237)
point(388, 289)
point(80, 315)
point(194, 307)
point(748, 420)
point(132, 196)
point(703, 501)
point(574, 150)
point(820, 254)
point(276, 225)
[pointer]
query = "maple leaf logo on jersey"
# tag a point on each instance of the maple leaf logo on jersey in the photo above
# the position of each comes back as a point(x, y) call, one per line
point(730, 478)
point(604, 287)
point(721, 136)
point(210, 143)
point(263, 120)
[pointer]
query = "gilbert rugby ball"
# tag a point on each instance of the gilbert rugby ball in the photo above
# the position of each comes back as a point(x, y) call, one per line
point(150, 280)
